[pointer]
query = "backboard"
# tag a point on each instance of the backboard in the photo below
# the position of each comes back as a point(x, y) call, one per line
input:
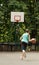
point(17, 16)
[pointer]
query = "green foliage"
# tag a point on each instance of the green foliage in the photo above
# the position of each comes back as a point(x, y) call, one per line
point(10, 32)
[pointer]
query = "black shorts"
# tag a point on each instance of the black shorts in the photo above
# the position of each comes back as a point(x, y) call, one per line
point(23, 45)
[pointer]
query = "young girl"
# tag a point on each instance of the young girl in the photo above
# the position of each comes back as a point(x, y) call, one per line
point(24, 41)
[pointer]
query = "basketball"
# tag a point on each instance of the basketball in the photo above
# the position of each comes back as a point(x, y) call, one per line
point(33, 41)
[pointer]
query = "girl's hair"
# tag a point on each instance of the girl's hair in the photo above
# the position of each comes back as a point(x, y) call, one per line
point(27, 30)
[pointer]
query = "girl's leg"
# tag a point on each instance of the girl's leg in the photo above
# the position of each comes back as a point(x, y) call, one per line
point(23, 55)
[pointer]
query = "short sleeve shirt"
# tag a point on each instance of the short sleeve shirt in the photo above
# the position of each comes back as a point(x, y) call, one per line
point(25, 38)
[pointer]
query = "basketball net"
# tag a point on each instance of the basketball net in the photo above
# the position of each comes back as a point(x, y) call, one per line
point(17, 18)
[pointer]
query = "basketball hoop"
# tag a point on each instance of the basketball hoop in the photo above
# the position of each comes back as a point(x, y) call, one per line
point(17, 18)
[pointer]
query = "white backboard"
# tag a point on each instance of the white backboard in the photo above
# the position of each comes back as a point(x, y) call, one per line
point(17, 16)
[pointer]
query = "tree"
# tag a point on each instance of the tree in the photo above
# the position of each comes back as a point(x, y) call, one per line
point(9, 31)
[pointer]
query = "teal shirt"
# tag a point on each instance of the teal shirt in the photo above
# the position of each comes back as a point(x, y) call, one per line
point(25, 38)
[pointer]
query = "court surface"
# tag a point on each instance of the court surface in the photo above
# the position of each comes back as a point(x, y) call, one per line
point(13, 58)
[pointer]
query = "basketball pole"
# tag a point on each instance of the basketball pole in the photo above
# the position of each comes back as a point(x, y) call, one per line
point(16, 29)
